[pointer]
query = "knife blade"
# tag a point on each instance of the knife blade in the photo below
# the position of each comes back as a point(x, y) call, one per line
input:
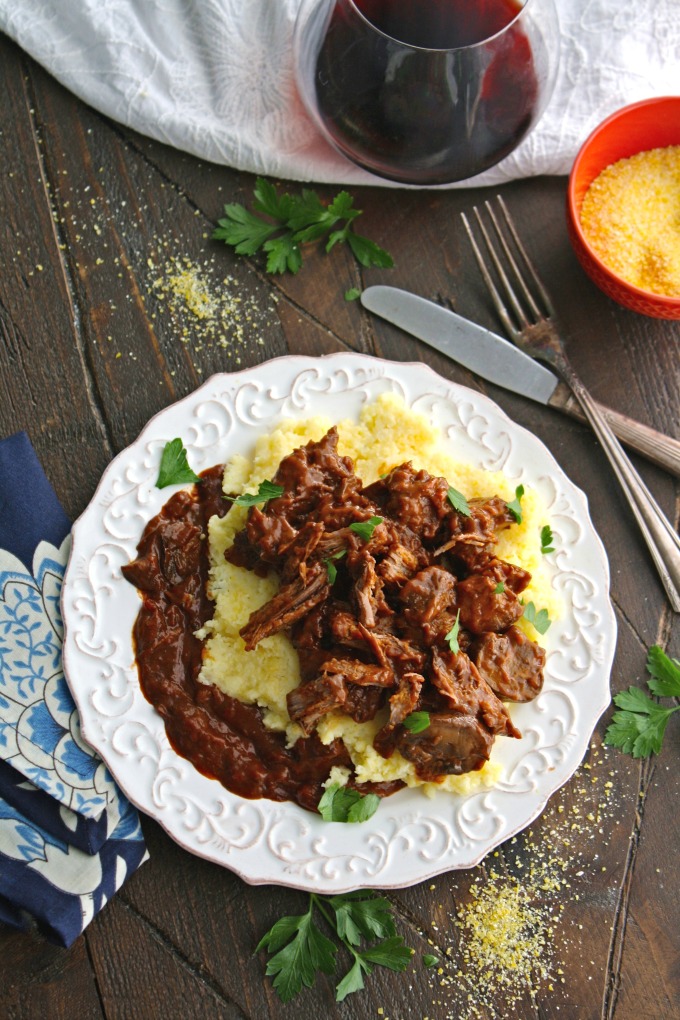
point(497, 360)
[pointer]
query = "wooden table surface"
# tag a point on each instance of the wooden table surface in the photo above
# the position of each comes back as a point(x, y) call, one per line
point(93, 344)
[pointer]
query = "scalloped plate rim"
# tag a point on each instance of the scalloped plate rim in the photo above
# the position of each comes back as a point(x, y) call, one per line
point(275, 872)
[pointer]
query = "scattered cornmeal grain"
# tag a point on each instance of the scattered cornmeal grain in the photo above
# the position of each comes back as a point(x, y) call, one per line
point(387, 433)
point(186, 282)
point(507, 937)
point(204, 311)
point(631, 219)
point(510, 935)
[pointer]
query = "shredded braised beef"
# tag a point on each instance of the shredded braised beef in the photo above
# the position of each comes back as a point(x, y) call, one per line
point(372, 613)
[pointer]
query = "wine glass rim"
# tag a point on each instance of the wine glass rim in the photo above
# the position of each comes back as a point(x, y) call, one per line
point(441, 49)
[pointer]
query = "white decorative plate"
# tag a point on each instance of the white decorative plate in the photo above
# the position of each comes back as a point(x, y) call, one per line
point(411, 837)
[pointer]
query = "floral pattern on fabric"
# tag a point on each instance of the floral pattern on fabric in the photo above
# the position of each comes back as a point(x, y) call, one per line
point(39, 725)
point(68, 837)
point(58, 885)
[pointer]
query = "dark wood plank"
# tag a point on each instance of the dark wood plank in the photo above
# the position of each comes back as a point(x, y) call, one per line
point(127, 233)
point(223, 945)
point(44, 384)
point(609, 345)
point(42, 980)
point(129, 957)
point(644, 978)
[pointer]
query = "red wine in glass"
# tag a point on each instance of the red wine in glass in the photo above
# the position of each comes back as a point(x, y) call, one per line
point(428, 91)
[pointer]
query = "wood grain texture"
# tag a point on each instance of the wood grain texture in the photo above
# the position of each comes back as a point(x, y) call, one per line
point(92, 219)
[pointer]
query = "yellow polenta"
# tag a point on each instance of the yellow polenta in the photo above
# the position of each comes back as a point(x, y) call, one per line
point(387, 434)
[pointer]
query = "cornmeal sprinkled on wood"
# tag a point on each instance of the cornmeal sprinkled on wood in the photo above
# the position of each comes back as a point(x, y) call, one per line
point(185, 299)
point(631, 218)
point(505, 935)
point(511, 931)
point(205, 312)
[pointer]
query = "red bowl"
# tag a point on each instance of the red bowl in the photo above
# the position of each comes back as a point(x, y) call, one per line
point(650, 124)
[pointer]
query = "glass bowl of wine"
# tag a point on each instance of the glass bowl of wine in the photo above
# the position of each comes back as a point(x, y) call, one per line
point(426, 91)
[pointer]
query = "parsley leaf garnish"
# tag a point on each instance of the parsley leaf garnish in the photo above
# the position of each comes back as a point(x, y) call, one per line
point(296, 962)
point(342, 804)
point(352, 294)
point(174, 467)
point(281, 223)
point(665, 673)
point(416, 722)
point(639, 727)
point(429, 960)
point(452, 636)
point(547, 539)
point(538, 617)
point(245, 231)
point(365, 251)
point(515, 505)
point(365, 529)
point(500, 588)
point(458, 501)
point(359, 915)
point(266, 491)
point(331, 568)
point(283, 254)
point(356, 919)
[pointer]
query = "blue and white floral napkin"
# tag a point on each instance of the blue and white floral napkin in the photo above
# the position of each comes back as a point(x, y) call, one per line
point(68, 837)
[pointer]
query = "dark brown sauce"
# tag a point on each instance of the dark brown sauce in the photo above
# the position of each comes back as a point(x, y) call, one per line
point(222, 737)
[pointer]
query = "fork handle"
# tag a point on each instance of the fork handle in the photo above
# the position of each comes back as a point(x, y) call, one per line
point(658, 448)
point(661, 538)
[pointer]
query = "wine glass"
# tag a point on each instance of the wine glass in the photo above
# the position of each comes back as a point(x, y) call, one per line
point(426, 91)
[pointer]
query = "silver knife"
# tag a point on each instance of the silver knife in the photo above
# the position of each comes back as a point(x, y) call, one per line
point(499, 361)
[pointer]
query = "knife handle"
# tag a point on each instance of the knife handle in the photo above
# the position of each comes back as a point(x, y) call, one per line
point(655, 446)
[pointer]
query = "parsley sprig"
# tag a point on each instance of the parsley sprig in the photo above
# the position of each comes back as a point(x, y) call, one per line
point(538, 617)
point(417, 722)
point(174, 467)
point(266, 491)
point(458, 502)
point(452, 637)
point(300, 948)
point(343, 804)
point(281, 223)
point(639, 727)
point(365, 529)
point(331, 568)
point(515, 505)
point(547, 539)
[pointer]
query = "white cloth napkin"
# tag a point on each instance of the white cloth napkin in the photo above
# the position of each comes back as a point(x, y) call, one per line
point(215, 77)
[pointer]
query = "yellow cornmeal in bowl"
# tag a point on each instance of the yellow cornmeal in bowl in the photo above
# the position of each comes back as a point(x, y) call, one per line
point(631, 219)
point(387, 434)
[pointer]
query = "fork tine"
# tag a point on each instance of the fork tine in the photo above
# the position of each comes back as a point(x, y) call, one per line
point(538, 283)
point(512, 263)
point(500, 270)
point(526, 292)
point(499, 305)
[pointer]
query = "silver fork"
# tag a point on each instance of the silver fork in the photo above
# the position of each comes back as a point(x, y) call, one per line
point(528, 317)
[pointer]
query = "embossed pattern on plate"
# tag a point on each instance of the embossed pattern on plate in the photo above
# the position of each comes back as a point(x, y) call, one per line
point(411, 837)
